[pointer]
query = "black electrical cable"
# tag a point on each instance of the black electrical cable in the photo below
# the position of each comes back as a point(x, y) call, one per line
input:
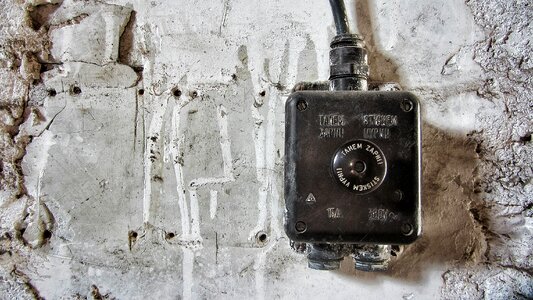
point(339, 15)
point(348, 58)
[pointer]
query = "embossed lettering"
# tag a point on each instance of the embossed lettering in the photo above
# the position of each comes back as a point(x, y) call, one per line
point(334, 213)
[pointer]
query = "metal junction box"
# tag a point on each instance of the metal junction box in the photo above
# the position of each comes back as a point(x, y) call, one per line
point(352, 167)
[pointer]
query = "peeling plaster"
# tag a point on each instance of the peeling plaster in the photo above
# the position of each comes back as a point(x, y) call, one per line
point(142, 147)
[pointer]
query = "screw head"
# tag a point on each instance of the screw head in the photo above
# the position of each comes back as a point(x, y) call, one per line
point(407, 229)
point(407, 105)
point(301, 105)
point(300, 227)
point(398, 195)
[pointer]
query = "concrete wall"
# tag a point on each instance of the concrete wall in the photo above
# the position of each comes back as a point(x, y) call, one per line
point(142, 147)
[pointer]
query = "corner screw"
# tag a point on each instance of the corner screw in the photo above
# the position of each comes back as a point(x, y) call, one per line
point(406, 105)
point(407, 229)
point(398, 195)
point(301, 105)
point(300, 227)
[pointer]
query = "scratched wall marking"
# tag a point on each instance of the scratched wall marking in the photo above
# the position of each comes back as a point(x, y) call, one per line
point(189, 214)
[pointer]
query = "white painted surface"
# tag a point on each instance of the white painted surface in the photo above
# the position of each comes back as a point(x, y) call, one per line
point(160, 195)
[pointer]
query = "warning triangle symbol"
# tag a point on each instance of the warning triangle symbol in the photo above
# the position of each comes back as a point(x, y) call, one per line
point(311, 198)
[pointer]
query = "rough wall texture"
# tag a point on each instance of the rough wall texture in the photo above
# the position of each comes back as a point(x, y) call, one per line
point(142, 147)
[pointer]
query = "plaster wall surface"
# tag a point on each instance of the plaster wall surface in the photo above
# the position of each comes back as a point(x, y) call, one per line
point(142, 147)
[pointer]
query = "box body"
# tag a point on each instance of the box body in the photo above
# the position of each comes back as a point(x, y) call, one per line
point(352, 167)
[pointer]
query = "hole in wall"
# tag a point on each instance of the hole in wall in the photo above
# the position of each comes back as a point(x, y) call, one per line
point(193, 94)
point(478, 148)
point(47, 234)
point(132, 238)
point(75, 90)
point(526, 138)
point(261, 237)
point(176, 92)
